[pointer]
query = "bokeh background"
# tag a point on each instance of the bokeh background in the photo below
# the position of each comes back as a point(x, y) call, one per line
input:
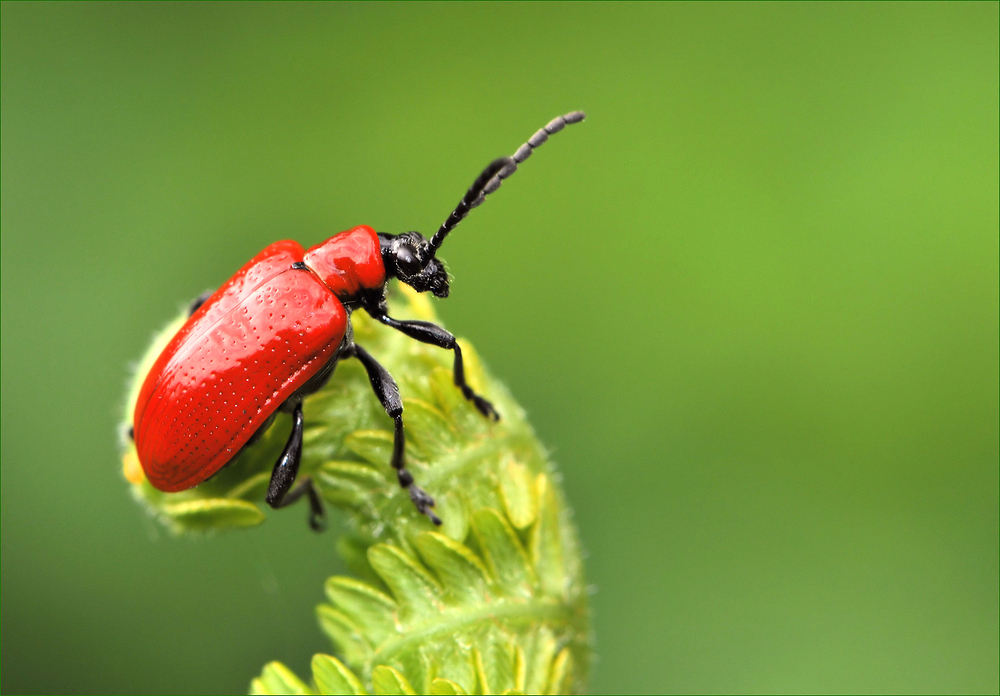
point(751, 305)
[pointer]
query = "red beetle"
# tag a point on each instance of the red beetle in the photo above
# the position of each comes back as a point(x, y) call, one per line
point(274, 333)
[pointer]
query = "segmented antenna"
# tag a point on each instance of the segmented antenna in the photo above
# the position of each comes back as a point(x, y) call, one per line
point(498, 170)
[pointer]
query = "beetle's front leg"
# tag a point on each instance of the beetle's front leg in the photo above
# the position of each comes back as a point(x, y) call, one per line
point(426, 332)
point(388, 393)
point(283, 476)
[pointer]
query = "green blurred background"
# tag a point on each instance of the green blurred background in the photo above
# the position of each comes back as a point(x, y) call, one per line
point(751, 304)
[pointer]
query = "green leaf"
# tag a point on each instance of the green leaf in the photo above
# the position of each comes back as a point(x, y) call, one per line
point(519, 668)
point(213, 513)
point(429, 429)
point(345, 633)
point(332, 677)
point(386, 680)
point(446, 687)
point(540, 652)
point(253, 487)
point(412, 586)
point(559, 678)
point(278, 679)
point(453, 507)
point(374, 446)
point(364, 606)
point(458, 410)
point(349, 484)
point(354, 551)
point(462, 574)
point(547, 551)
point(504, 554)
point(517, 488)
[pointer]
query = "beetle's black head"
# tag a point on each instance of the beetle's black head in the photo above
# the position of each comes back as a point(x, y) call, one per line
point(409, 257)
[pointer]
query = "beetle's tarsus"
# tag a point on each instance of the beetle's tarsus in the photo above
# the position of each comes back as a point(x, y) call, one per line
point(484, 406)
point(424, 503)
point(317, 523)
point(317, 512)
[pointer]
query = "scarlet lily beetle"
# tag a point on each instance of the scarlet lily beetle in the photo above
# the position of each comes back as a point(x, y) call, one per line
point(273, 333)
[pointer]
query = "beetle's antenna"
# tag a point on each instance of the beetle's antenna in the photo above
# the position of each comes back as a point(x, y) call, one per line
point(498, 170)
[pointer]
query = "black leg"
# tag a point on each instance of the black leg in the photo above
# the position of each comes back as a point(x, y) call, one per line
point(199, 301)
point(387, 392)
point(426, 332)
point(317, 513)
point(278, 492)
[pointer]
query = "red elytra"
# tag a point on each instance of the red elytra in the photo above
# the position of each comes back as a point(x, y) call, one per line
point(250, 346)
point(272, 334)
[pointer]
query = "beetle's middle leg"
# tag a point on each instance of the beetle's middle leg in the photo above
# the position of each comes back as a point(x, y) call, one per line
point(388, 393)
point(280, 492)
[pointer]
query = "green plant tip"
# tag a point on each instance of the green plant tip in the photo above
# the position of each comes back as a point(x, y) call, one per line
point(493, 601)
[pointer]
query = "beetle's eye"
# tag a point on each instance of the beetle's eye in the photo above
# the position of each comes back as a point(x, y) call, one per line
point(406, 260)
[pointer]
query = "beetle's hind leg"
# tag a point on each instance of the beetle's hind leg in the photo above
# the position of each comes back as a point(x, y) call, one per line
point(280, 492)
point(388, 393)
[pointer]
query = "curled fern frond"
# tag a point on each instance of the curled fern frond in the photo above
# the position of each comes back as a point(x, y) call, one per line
point(493, 601)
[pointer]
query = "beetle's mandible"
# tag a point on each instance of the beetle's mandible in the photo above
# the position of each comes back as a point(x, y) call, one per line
point(273, 333)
